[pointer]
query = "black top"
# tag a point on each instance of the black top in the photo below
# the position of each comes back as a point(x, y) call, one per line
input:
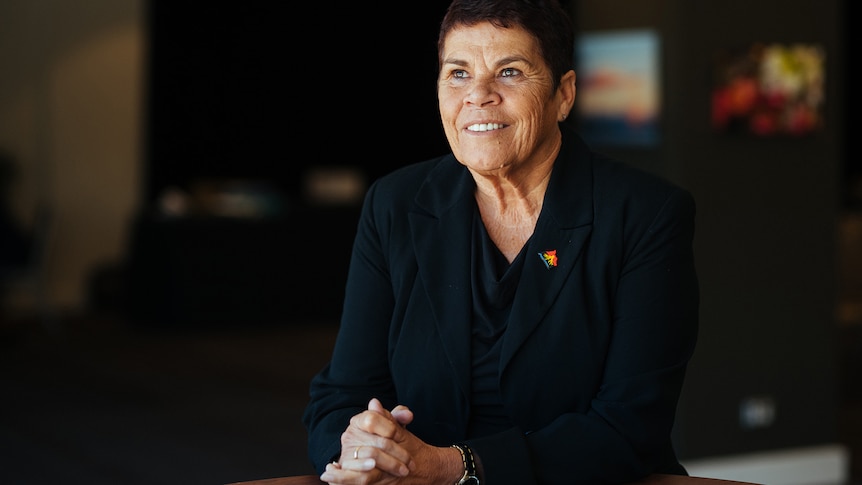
point(494, 284)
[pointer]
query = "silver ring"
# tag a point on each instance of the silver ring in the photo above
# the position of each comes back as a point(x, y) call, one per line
point(356, 453)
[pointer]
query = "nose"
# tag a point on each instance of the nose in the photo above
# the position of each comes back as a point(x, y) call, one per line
point(482, 93)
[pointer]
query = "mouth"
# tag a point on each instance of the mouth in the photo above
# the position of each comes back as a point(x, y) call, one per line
point(485, 127)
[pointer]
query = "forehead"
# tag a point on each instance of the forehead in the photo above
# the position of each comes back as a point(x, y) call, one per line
point(487, 39)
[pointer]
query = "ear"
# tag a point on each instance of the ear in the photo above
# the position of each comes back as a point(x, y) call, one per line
point(566, 95)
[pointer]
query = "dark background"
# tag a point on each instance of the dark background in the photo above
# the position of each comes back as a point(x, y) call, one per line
point(270, 89)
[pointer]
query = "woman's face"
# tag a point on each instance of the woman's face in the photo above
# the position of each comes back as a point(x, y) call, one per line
point(496, 100)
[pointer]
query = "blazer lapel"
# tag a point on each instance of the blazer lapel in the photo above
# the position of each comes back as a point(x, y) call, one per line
point(561, 231)
point(441, 231)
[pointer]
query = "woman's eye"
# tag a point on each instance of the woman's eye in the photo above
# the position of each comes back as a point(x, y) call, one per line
point(459, 74)
point(509, 72)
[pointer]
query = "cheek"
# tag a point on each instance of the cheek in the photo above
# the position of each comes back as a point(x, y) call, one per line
point(539, 106)
point(448, 117)
point(451, 132)
point(448, 108)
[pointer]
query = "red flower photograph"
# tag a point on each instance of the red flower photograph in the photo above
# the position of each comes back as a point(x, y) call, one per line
point(769, 89)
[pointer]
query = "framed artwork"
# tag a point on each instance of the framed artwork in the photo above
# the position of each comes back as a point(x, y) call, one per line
point(769, 90)
point(619, 87)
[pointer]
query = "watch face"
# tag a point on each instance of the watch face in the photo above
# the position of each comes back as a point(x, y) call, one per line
point(468, 480)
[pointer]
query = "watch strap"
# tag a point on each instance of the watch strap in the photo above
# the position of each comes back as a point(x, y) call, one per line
point(470, 477)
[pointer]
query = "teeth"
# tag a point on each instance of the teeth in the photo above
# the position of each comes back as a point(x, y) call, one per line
point(484, 127)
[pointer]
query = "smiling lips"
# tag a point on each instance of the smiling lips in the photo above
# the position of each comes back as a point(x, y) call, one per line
point(485, 127)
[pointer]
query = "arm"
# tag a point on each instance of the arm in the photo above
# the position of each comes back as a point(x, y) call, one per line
point(359, 368)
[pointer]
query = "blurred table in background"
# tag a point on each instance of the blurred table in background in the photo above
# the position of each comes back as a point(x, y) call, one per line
point(219, 270)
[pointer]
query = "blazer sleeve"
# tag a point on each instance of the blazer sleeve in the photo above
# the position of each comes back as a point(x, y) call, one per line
point(359, 367)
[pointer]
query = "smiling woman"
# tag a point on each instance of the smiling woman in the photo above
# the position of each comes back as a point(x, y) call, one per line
point(520, 246)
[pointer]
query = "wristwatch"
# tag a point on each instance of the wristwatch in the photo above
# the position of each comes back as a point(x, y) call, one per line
point(470, 477)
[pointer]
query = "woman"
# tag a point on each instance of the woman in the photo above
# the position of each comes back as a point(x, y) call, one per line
point(523, 297)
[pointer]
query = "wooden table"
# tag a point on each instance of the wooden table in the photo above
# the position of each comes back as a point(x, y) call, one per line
point(650, 480)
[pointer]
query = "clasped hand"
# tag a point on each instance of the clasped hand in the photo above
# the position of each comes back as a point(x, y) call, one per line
point(377, 448)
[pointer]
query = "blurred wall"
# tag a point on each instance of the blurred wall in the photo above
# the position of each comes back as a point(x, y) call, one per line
point(70, 115)
point(766, 225)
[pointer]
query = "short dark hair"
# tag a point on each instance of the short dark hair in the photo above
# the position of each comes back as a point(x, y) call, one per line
point(546, 20)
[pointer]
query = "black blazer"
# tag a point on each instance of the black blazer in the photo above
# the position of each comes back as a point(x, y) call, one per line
point(596, 347)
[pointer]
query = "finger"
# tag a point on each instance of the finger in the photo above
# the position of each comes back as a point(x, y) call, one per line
point(347, 473)
point(375, 405)
point(388, 455)
point(330, 474)
point(384, 461)
point(403, 415)
point(375, 423)
point(359, 464)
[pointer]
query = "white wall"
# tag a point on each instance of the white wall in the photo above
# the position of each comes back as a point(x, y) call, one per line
point(71, 94)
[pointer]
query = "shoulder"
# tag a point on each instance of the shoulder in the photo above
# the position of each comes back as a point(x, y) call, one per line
point(642, 201)
point(392, 200)
point(430, 185)
point(406, 180)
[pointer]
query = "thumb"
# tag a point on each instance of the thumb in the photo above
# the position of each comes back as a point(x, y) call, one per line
point(403, 415)
point(375, 405)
